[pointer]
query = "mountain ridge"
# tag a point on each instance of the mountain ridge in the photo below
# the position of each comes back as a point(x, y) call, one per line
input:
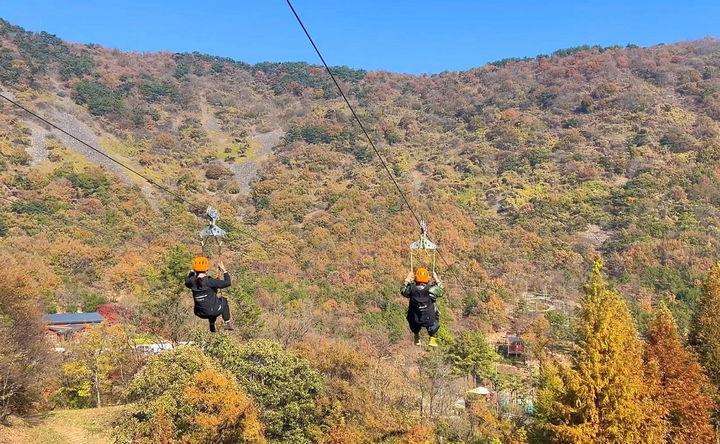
point(526, 172)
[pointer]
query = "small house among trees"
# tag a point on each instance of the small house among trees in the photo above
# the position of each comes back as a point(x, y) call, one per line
point(62, 326)
point(513, 347)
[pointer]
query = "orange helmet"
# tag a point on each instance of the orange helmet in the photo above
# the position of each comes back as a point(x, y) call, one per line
point(422, 275)
point(201, 264)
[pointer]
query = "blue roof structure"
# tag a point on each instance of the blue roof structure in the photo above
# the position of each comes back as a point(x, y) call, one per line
point(73, 318)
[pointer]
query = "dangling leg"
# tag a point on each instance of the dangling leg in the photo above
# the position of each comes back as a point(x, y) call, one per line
point(211, 320)
point(414, 328)
point(433, 329)
point(225, 307)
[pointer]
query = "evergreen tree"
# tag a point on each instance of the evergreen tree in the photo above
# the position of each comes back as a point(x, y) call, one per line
point(472, 354)
point(603, 396)
point(682, 383)
point(166, 307)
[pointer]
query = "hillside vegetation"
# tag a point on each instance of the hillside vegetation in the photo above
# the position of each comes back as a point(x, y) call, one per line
point(526, 171)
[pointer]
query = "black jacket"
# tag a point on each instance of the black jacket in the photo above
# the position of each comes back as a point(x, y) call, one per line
point(422, 310)
point(205, 296)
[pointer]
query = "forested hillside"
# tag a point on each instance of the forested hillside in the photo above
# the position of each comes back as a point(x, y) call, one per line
point(526, 171)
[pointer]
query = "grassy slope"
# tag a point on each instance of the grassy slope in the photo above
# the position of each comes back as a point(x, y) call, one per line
point(62, 426)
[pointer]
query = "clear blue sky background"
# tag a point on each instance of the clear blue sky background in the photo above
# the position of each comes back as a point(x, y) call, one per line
point(411, 36)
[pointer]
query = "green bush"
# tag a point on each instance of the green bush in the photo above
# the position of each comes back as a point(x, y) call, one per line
point(99, 98)
point(165, 371)
point(155, 91)
point(282, 384)
point(640, 138)
point(91, 301)
point(574, 50)
point(546, 99)
point(89, 182)
point(664, 280)
point(392, 137)
point(308, 133)
point(33, 207)
point(181, 395)
point(246, 308)
point(9, 72)
point(391, 320)
point(348, 74)
point(72, 65)
point(156, 388)
point(283, 75)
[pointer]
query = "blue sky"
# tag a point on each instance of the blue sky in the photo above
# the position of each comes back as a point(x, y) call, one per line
point(410, 36)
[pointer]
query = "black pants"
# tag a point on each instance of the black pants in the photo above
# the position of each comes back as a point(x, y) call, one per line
point(416, 326)
point(224, 312)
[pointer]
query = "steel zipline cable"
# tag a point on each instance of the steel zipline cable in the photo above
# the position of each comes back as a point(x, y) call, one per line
point(352, 110)
point(152, 182)
point(129, 168)
point(367, 135)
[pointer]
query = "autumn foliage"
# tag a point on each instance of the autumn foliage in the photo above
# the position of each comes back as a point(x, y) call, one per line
point(685, 393)
point(604, 396)
point(525, 169)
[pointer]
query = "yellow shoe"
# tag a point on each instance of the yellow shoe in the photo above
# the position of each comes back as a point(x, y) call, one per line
point(432, 342)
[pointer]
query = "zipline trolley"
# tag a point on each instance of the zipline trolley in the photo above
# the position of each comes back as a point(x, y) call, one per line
point(212, 231)
point(422, 244)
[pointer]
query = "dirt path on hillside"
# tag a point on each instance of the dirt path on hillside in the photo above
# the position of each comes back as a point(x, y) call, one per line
point(246, 171)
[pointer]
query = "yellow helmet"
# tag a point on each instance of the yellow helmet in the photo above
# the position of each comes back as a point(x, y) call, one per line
point(201, 264)
point(422, 275)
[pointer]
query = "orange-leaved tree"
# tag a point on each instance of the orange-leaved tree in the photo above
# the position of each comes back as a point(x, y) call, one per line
point(683, 386)
point(221, 411)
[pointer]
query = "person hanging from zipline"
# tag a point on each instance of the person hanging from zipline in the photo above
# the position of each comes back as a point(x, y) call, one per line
point(204, 290)
point(422, 313)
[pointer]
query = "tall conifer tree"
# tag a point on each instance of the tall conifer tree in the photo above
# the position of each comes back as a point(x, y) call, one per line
point(705, 335)
point(604, 396)
point(683, 386)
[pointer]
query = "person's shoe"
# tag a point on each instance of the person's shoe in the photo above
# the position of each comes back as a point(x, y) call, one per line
point(417, 338)
point(228, 325)
point(432, 342)
point(212, 328)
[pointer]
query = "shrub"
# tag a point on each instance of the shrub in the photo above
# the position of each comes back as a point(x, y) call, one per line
point(155, 91)
point(90, 182)
point(91, 301)
point(192, 132)
point(282, 383)
point(215, 172)
point(99, 98)
point(182, 396)
point(392, 137)
point(308, 133)
point(72, 65)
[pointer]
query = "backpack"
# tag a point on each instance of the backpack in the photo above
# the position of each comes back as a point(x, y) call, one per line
point(422, 304)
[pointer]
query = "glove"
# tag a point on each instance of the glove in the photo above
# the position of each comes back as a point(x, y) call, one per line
point(436, 278)
point(410, 277)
